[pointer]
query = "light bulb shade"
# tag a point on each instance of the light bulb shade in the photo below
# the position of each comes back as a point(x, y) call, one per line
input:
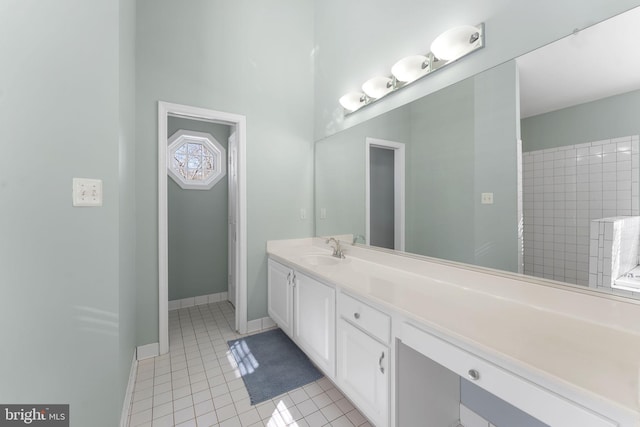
point(377, 87)
point(456, 42)
point(352, 101)
point(410, 68)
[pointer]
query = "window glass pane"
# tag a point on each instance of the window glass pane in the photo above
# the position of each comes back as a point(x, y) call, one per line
point(195, 175)
point(208, 162)
point(194, 161)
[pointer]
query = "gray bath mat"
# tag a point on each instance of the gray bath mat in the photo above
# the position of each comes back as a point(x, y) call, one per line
point(271, 364)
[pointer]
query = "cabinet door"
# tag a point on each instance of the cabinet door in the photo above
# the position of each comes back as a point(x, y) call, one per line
point(363, 372)
point(315, 310)
point(279, 299)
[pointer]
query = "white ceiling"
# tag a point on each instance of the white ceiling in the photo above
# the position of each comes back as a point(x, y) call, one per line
point(599, 61)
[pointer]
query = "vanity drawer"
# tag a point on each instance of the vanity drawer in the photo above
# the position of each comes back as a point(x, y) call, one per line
point(373, 321)
point(543, 404)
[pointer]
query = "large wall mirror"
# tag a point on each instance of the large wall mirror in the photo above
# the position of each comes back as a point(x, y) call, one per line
point(530, 167)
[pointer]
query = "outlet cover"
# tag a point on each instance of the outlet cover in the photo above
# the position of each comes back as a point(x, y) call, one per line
point(486, 198)
point(87, 192)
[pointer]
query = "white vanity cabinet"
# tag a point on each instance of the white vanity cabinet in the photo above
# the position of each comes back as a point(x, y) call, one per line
point(363, 358)
point(280, 295)
point(314, 321)
point(305, 309)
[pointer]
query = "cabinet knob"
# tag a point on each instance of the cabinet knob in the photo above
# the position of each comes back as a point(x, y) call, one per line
point(473, 374)
point(356, 315)
point(380, 362)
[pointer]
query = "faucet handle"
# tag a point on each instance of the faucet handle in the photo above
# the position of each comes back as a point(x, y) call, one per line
point(356, 237)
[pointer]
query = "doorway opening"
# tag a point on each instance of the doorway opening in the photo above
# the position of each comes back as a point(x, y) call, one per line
point(385, 193)
point(236, 211)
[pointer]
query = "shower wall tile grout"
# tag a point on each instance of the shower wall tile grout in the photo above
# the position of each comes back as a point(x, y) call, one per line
point(564, 189)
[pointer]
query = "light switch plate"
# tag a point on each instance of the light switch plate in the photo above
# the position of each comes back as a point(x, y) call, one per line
point(87, 192)
point(486, 198)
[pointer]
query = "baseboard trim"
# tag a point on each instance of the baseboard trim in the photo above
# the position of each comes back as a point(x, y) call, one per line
point(128, 396)
point(199, 300)
point(260, 324)
point(148, 350)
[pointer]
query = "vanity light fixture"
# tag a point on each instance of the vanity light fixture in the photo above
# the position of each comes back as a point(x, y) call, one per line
point(448, 47)
point(353, 101)
point(377, 87)
point(411, 68)
point(456, 42)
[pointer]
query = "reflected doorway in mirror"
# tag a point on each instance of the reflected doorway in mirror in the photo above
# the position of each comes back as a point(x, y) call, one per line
point(385, 198)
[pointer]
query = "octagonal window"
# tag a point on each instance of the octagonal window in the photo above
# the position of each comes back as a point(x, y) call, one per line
point(196, 160)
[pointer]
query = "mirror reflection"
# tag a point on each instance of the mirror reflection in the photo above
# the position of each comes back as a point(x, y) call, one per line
point(446, 176)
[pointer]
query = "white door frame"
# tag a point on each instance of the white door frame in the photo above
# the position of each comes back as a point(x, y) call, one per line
point(166, 109)
point(232, 213)
point(399, 179)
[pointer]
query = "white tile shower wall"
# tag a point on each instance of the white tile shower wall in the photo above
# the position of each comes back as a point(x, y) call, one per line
point(564, 189)
point(614, 249)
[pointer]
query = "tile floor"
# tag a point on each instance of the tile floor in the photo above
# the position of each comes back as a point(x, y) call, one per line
point(197, 383)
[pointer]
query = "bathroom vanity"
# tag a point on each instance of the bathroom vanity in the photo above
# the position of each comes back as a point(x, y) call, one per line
point(398, 333)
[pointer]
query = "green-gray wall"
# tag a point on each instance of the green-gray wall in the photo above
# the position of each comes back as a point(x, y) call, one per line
point(127, 202)
point(198, 230)
point(440, 174)
point(66, 110)
point(463, 143)
point(606, 118)
point(496, 134)
point(244, 57)
point(340, 172)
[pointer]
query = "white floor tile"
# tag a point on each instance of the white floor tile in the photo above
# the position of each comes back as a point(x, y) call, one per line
point(184, 415)
point(231, 422)
point(142, 405)
point(183, 402)
point(249, 417)
point(140, 418)
point(331, 412)
point(197, 383)
point(307, 407)
point(190, 423)
point(163, 410)
point(162, 398)
point(298, 395)
point(343, 421)
point(316, 419)
point(166, 421)
point(204, 407)
point(226, 412)
point(207, 420)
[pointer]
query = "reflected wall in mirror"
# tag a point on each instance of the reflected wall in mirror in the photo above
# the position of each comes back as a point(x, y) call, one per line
point(463, 142)
point(580, 136)
point(459, 142)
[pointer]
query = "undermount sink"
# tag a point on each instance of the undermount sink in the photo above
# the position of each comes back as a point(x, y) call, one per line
point(320, 260)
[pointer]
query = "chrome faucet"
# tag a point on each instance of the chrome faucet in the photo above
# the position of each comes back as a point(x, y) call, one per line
point(337, 251)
